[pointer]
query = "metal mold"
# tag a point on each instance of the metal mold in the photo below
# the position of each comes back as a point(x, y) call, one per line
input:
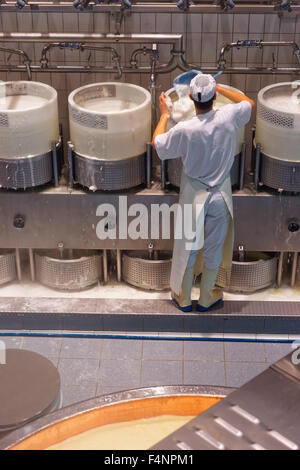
point(279, 174)
point(23, 173)
point(79, 270)
point(8, 271)
point(257, 271)
point(140, 271)
point(109, 175)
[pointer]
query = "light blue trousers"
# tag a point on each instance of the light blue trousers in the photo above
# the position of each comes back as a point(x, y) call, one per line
point(216, 220)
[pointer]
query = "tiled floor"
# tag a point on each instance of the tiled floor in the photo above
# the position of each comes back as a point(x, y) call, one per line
point(91, 366)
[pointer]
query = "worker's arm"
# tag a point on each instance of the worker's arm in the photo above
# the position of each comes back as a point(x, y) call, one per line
point(234, 96)
point(162, 124)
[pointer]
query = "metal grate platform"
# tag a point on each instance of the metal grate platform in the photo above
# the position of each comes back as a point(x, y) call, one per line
point(264, 414)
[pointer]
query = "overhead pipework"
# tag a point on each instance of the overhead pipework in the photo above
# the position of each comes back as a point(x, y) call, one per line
point(210, 6)
point(258, 44)
point(226, 4)
point(116, 59)
point(177, 59)
point(19, 52)
point(21, 4)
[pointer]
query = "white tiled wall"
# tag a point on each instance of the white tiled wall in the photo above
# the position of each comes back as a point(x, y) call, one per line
point(204, 34)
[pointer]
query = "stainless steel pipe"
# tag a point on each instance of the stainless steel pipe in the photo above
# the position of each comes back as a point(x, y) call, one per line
point(149, 6)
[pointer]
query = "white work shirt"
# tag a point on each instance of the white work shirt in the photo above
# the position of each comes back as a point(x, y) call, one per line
point(206, 143)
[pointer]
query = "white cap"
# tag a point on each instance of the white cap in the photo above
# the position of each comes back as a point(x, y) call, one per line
point(203, 87)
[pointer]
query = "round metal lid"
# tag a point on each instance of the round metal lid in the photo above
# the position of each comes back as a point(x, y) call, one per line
point(29, 386)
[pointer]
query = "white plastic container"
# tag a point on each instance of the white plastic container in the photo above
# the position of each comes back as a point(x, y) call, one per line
point(278, 121)
point(110, 121)
point(218, 103)
point(28, 119)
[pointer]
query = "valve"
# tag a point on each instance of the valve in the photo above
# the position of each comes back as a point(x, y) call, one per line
point(183, 4)
point(229, 4)
point(21, 4)
point(126, 4)
point(226, 4)
point(284, 5)
point(81, 4)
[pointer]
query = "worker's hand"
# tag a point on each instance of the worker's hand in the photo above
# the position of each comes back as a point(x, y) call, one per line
point(163, 104)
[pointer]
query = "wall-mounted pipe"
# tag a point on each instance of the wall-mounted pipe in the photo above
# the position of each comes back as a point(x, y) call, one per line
point(210, 6)
point(82, 47)
point(177, 53)
point(174, 39)
point(255, 43)
point(159, 70)
point(26, 60)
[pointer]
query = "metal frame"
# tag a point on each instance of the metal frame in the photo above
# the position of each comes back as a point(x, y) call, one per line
point(47, 162)
point(264, 163)
point(261, 219)
point(138, 169)
point(147, 6)
point(177, 54)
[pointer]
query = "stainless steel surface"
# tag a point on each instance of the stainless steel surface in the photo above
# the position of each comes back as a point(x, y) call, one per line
point(148, 6)
point(256, 272)
point(109, 175)
point(297, 277)
point(280, 269)
point(31, 263)
point(294, 269)
point(177, 54)
point(119, 266)
point(141, 271)
point(23, 173)
point(76, 272)
point(19, 435)
point(18, 264)
point(263, 414)
point(7, 266)
point(254, 44)
point(19, 52)
point(279, 174)
point(175, 39)
point(261, 220)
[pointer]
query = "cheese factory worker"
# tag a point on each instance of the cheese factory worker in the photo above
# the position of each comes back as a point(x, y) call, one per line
point(206, 143)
